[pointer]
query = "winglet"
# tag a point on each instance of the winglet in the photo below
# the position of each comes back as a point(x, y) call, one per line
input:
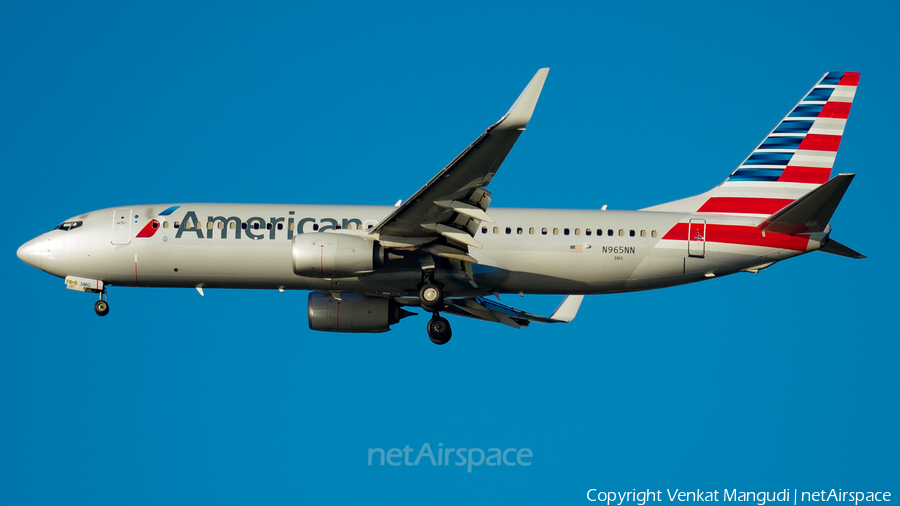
point(520, 112)
point(567, 309)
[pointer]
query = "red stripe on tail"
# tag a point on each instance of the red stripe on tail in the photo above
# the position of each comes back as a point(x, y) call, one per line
point(839, 110)
point(815, 175)
point(820, 142)
point(849, 79)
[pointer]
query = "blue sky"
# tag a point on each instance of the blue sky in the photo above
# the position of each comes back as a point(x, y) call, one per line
point(784, 379)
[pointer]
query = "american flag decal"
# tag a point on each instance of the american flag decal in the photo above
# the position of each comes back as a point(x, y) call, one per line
point(576, 248)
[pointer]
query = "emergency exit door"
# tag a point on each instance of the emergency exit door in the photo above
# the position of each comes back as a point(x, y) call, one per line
point(697, 238)
point(121, 231)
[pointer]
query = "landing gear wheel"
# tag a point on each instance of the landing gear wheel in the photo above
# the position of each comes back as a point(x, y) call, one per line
point(101, 307)
point(431, 296)
point(439, 330)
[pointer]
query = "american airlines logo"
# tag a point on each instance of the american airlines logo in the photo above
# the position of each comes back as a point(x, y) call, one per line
point(256, 227)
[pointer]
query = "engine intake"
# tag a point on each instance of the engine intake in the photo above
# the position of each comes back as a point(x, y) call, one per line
point(329, 255)
point(353, 313)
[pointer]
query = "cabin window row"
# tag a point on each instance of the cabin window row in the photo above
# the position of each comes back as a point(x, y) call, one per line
point(566, 231)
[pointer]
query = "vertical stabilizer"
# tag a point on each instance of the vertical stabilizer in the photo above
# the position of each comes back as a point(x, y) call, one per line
point(793, 160)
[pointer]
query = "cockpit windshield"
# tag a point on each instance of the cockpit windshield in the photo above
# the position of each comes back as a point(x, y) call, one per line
point(69, 225)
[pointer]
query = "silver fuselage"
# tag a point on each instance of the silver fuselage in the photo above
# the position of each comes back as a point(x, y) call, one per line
point(537, 251)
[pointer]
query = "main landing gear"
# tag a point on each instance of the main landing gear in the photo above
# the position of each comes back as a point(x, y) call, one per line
point(431, 298)
point(438, 329)
point(101, 307)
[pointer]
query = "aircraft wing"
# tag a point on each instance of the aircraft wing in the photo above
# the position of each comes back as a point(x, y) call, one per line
point(485, 309)
point(452, 205)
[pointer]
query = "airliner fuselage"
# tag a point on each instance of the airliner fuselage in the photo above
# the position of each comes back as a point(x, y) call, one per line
point(539, 251)
point(445, 249)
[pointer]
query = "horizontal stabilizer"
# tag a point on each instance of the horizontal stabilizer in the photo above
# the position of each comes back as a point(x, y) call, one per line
point(812, 212)
point(836, 248)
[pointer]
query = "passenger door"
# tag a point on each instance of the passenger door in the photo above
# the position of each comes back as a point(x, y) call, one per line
point(121, 231)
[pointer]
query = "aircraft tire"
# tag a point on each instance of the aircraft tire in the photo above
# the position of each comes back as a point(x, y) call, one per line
point(431, 296)
point(439, 330)
point(101, 307)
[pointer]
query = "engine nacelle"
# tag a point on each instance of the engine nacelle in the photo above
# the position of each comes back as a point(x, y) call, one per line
point(329, 255)
point(353, 313)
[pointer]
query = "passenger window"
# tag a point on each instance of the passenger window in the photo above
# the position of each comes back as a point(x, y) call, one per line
point(496, 230)
point(519, 231)
point(209, 225)
point(565, 231)
point(290, 226)
point(530, 230)
point(653, 233)
point(233, 225)
point(165, 224)
point(609, 232)
point(587, 231)
point(256, 226)
point(176, 224)
point(222, 225)
point(281, 226)
point(643, 233)
point(483, 230)
point(621, 232)
point(244, 226)
point(269, 226)
point(315, 226)
point(544, 231)
point(555, 231)
point(631, 233)
point(508, 230)
point(577, 231)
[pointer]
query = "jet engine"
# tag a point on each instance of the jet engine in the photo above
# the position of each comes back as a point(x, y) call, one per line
point(353, 313)
point(329, 255)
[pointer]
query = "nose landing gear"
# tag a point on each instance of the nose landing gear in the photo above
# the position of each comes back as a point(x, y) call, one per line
point(101, 307)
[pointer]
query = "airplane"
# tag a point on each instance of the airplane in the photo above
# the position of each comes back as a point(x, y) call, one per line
point(446, 251)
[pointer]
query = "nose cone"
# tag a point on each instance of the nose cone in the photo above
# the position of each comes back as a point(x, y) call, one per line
point(30, 253)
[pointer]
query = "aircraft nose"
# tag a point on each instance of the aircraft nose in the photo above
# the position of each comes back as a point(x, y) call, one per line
point(30, 253)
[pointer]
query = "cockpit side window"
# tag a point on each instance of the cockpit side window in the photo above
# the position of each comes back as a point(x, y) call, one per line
point(69, 225)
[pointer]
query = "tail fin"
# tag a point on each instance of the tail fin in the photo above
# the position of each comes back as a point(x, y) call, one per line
point(793, 160)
